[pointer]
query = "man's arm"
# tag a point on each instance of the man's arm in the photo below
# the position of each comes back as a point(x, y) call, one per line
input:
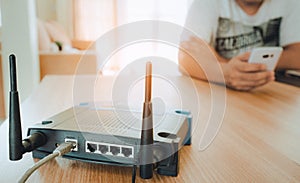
point(203, 62)
point(290, 58)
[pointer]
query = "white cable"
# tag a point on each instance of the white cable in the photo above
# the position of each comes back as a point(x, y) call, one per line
point(59, 151)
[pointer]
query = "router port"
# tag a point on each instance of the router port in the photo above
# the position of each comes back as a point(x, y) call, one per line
point(74, 141)
point(91, 147)
point(126, 151)
point(114, 150)
point(103, 148)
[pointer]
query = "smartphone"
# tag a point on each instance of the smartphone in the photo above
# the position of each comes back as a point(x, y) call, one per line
point(266, 55)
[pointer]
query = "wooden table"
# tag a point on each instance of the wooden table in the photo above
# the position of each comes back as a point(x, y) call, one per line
point(259, 140)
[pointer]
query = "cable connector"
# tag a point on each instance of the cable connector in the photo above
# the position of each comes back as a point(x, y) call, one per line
point(64, 148)
point(61, 150)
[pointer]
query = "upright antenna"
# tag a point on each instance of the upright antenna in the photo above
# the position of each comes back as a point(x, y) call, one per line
point(146, 150)
point(17, 146)
point(15, 131)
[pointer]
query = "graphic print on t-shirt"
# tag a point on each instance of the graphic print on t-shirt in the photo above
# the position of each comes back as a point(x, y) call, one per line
point(233, 38)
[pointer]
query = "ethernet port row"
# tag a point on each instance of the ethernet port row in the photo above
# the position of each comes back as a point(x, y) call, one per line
point(103, 148)
point(115, 150)
point(91, 147)
point(127, 151)
point(109, 149)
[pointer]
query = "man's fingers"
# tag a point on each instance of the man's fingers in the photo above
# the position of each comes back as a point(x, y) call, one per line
point(247, 81)
point(246, 67)
point(246, 85)
point(257, 76)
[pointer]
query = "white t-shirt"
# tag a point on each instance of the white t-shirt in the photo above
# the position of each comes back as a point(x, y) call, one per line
point(227, 28)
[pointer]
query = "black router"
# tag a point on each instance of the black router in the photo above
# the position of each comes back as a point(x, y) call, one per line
point(106, 136)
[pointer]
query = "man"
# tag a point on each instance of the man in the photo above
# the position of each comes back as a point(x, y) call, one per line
point(232, 28)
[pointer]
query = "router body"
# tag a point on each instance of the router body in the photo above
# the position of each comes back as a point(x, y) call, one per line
point(113, 136)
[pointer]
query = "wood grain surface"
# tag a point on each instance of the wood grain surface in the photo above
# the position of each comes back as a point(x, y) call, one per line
point(258, 140)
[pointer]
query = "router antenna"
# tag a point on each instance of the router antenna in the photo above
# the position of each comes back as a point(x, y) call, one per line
point(15, 132)
point(148, 83)
point(146, 150)
point(17, 146)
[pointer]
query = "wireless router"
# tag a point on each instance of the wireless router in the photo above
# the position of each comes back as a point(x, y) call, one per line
point(107, 136)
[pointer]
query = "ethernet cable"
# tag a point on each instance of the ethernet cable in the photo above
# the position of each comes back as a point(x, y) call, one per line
point(59, 151)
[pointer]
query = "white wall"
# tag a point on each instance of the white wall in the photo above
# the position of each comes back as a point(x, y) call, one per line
point(46, 9)
point(64, 15)
point(19, 36)
point(59, 10)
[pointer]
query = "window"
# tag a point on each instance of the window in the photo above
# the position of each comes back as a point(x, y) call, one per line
point(93, 18)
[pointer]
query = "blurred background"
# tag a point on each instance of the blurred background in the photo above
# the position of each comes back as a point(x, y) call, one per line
point(51, 36)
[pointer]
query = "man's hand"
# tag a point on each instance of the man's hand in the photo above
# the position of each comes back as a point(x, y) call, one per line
point(244, 76)
point(203, 62)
